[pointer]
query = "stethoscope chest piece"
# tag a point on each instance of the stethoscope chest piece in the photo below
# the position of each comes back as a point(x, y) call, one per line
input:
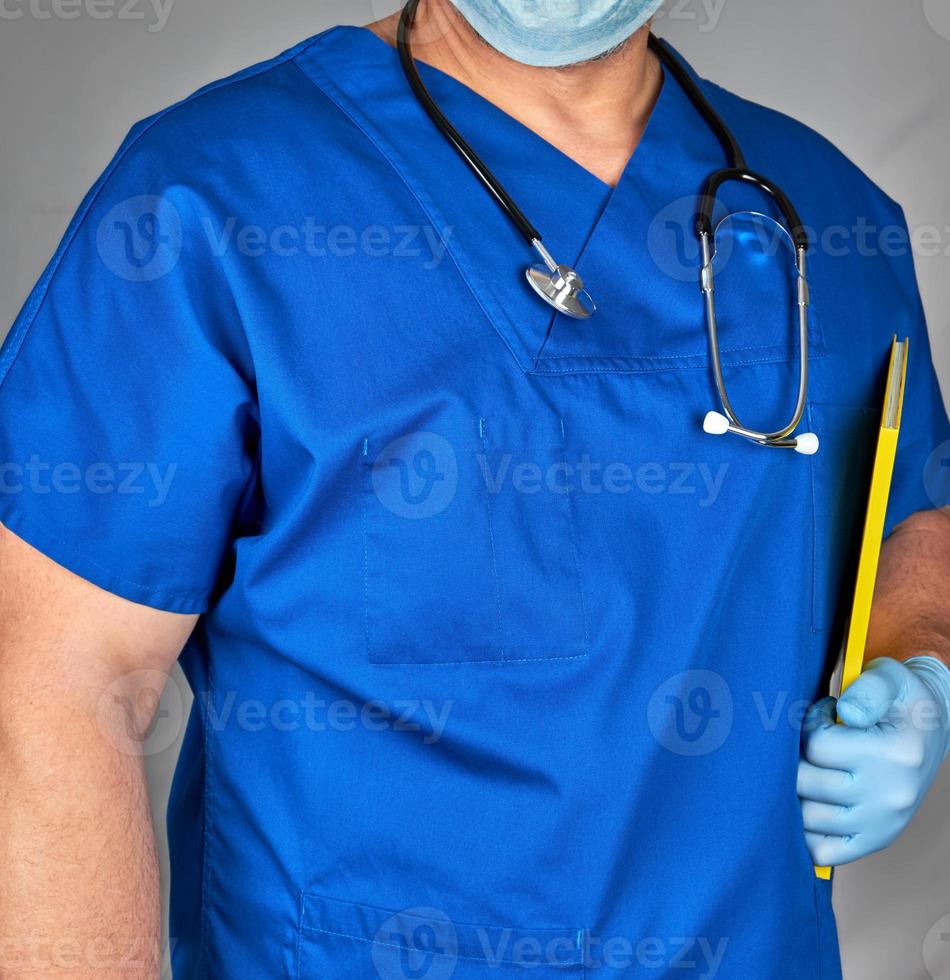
point(563, 289)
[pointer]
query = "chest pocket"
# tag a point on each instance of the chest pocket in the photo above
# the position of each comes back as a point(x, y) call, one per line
point(470, 552)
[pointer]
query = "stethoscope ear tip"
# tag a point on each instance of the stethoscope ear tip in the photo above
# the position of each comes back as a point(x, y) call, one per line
point(807, 444)
point(715, 424)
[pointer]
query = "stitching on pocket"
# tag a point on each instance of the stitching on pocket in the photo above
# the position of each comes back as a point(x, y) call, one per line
point(300, 916)
point(814, 532)
point(572, 526)
point(361, 496)
point(476, 663)
point(580, 631)
point(467, 950)
point(482, 425)
point(379, 942)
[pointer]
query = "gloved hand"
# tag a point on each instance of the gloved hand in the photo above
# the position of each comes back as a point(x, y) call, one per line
point(860, 783)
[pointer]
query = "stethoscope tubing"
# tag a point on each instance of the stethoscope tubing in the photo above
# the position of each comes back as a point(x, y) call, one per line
point(474, 162)
point(563, 277)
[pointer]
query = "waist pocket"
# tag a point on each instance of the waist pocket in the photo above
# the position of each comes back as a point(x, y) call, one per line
point(340, 941)
point(841, 479)
point(469, 546)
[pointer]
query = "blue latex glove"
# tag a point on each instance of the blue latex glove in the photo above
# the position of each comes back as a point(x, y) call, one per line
point(860, 783)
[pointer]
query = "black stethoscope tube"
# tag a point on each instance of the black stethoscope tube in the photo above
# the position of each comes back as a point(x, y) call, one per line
point(702, 105)
point(561, 286)
point(737, 172)
point(465, 151)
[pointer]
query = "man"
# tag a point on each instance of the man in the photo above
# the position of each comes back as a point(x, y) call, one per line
point(500, 661)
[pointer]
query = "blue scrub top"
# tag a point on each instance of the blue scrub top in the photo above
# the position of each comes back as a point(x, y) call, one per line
point(503, 659)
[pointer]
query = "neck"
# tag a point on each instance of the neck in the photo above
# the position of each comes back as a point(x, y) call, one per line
point(595, 112)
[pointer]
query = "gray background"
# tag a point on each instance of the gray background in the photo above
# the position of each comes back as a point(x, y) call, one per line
point(872, 75)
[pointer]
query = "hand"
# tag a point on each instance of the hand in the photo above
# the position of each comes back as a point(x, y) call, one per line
point(861, 782)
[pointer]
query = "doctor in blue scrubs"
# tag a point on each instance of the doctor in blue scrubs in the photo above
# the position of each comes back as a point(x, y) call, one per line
point(502, 665)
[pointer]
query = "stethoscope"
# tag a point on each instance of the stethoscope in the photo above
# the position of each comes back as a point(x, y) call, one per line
point(562, 287)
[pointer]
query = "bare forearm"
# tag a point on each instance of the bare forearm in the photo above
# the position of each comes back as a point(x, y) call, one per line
point(911, 613)
point(79, 895)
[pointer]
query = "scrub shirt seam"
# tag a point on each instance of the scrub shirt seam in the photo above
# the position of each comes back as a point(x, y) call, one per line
point(494, 554)
point(300, 928)
point(40, 294)
point(379, 942)
point(815, 627)
point(177, 598)
point(365, 527)
point(466, 663)
point(818, 935)
point(572, 524)
point(428, 209)
point(206, 829)
point(539, 372)
point(655, 357)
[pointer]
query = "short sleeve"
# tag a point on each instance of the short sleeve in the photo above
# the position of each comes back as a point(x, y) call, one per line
point(127, 415)
point(922, 472)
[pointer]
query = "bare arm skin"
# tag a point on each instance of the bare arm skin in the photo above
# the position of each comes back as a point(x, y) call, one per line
point(911, 615)
point(79, 890)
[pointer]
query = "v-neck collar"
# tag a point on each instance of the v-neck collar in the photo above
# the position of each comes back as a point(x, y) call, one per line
point(584, 221)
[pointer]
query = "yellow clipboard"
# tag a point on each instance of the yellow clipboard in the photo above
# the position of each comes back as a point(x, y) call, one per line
point(852, 662)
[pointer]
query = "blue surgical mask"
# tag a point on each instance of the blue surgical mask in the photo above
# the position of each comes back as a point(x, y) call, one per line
point(554, 33)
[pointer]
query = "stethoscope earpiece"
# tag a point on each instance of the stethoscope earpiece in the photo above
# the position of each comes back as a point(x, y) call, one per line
point(805, 444)
point(715, 424)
